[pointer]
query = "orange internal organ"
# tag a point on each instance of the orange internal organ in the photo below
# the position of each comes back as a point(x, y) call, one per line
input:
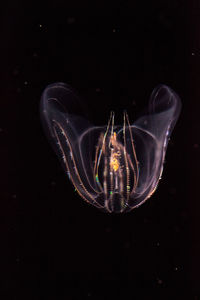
point(114, 162)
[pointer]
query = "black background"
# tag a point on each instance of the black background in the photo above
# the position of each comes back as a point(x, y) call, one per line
point(54, 245)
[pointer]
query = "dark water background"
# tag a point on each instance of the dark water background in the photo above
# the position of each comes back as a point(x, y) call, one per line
point(54, 245)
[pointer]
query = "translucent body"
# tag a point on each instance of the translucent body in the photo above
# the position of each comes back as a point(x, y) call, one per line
point(115, 168)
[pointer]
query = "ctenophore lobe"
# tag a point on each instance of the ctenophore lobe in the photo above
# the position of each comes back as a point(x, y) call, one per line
point(113, 167)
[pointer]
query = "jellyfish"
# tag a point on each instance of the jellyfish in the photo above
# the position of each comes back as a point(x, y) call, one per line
point(114, 167)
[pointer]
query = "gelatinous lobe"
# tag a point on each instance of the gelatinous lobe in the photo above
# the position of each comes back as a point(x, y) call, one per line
point(115, 168)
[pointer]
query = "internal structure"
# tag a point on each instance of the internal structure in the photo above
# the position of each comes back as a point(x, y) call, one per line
point(116, 171)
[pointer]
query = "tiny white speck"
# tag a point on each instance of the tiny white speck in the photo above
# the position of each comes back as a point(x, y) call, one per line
point(134, 103)
point(70, 20)
point(40, 25)
point(159, 281)
point(193, 54)
point(25, 82)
